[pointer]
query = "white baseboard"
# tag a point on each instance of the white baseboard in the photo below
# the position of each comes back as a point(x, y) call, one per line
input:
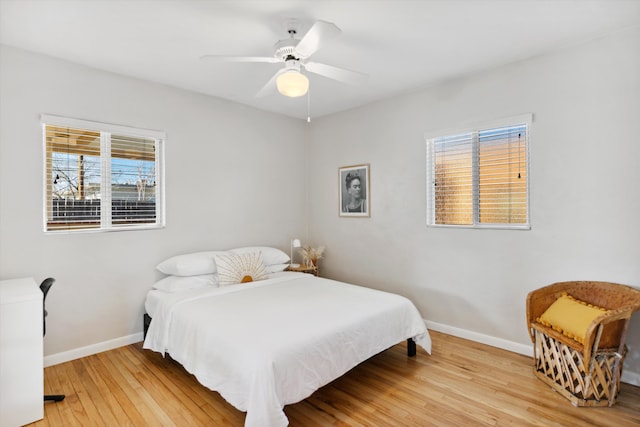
point(515, 347)
point(66, 356)
point(632, 378)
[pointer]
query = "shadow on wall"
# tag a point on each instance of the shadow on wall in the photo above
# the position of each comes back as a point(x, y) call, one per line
point(455, 311)
point(632, 361)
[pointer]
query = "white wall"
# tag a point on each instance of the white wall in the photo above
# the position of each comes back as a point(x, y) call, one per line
point(232, 176)
point(585, 200)
point(246, 185)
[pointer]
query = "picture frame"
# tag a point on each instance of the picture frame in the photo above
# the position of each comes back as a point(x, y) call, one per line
point(354, 196)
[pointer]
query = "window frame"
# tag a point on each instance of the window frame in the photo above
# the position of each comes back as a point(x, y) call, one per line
point(430, 136)
point(106, 130)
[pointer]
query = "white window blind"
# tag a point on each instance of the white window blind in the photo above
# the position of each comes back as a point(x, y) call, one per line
point(480, 177)
point(101, 177)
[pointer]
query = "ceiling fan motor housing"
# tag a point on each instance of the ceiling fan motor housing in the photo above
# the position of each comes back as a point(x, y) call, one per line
point(285, 49)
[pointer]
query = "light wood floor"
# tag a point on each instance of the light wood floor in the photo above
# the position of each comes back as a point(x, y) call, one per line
point(461, 384)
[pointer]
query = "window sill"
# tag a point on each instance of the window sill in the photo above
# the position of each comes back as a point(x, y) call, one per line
point(484, 226)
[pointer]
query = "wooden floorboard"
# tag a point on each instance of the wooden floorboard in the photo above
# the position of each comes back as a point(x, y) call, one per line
point(462, 383)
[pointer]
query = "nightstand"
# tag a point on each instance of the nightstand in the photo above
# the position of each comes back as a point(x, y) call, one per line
point(304, 269)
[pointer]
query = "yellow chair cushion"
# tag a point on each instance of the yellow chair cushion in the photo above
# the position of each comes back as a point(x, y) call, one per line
point(570, 316)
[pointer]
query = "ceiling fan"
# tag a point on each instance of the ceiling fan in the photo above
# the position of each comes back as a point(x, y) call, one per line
point(295, 54)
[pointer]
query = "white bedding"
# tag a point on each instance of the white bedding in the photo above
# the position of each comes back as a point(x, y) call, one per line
point(267, 344)
point(155, 296)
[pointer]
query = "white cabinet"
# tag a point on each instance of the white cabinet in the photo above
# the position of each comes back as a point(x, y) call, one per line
point(21, 370)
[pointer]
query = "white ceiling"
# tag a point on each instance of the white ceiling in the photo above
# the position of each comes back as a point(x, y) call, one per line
point(402, 45)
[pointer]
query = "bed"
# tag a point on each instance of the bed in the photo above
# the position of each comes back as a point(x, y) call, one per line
point(273, 342)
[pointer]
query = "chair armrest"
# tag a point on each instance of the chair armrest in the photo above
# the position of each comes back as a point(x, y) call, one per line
point(558, 336)
point(540, 299)
point(590, 343)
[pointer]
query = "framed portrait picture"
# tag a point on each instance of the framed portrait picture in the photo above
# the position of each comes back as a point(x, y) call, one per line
point(354, 191)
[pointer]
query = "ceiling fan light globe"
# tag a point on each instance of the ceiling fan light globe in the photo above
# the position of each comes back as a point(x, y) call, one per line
point(292, 83)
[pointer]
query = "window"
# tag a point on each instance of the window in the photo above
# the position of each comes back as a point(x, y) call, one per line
point(479, 178)
point(101, 177)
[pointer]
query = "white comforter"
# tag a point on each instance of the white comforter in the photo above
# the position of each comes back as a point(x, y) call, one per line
point(267, 344)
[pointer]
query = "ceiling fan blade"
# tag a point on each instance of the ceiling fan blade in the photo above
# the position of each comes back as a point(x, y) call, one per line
point(224, 58)
point(270, 87)
point(319, 33)
point(335, 73)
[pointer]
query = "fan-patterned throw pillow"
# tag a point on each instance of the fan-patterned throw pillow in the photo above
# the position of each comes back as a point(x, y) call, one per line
point(240, 268)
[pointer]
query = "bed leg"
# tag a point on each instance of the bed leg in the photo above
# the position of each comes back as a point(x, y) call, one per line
point(411, 347)
point(146, 321)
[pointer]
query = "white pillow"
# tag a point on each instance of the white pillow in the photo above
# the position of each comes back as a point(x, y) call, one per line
point(192, 264)
point(276, 268)
point(183, 283)
point(270, 256)
point(240, 268)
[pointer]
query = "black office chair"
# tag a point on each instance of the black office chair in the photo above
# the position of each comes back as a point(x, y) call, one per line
point(44, 287)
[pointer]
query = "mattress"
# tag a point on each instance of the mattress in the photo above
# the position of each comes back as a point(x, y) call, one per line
point(271, 343)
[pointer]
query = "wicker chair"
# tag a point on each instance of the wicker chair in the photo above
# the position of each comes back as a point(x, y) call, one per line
point(587, 374)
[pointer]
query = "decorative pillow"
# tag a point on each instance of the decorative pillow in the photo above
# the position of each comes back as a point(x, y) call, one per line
point(270, 256)
point(192, 264)
point(183, 283)
point(276, 268)
point(240, 268)
point(570, 316)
